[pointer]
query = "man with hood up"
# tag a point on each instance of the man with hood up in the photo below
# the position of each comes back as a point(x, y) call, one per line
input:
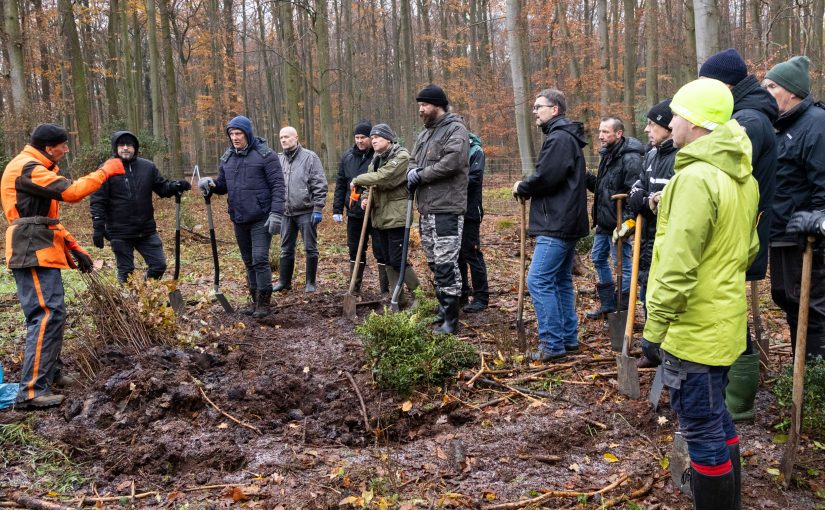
point(122, 209)
point(705, 240)
point(251, 174)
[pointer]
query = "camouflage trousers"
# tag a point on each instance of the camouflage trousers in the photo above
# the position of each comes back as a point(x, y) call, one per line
point(441, 242)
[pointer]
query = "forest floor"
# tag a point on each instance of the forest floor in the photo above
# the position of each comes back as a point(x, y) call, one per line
point(153, 429)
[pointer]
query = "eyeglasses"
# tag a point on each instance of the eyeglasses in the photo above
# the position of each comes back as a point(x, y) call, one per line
point(537, 107)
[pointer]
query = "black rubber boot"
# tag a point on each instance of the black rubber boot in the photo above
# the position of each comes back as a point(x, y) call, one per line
point(736, 461)
point(359, 277)
point(625, 301)
point(439, 311)
point(712, 492)
point(383, 281)
point(312, 269)
point(285, 274)
point(249, 309)
point(262, 304)
point(607, 301)
point(450, 315)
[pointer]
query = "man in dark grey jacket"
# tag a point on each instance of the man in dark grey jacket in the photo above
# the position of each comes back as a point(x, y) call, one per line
point(306, 194)
point(439, 171)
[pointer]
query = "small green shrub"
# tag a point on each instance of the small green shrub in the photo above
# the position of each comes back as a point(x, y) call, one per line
point(404, 352)
point(585, 244)
point(813, 408)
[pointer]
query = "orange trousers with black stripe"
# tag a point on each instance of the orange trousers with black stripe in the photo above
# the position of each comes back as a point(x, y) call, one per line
point(41, 295)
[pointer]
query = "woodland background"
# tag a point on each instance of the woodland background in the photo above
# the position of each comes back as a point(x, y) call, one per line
point(176, 71)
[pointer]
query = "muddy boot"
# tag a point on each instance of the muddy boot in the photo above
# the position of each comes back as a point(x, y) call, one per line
point(359, 277)
point(607, 301)
point(383, 281)
point(392, 276)
point(450, 314)
point(412, 283)
point(743, 381)
point(312, 269)
point(712, 492)
point(249, 309)
point(439, 310)
point(48, 399)
point(736, 462)
point(262, 304)
point(285, 269)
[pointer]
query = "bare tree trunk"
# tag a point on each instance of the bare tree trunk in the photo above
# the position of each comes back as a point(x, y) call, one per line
point(112, 89)
point(271, 98)
point(176, 150)
point(817, 51)
point(14, 47)
point(81, 100)
point(290, 67)
point(45, 55)
point(604, 58)
point(517, 38)
point(706, 15)
point(138, 67)
point(688, 66)
point(322, 49)
point(154, 69)
point(651, 53)
point(229, 62)
point(629, 66)
point(407, 127)
point(424, 11)
point(131, 89)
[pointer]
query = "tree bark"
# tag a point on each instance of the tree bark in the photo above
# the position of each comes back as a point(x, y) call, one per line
point(173, 117)
point(604, 56)
point(45, 55)
point(629, 66)
point(322, 48)
point(81, 100)
point(14, 48)
point(154, 69)
point(651, 53)
point(706, 16)
point(516, 38)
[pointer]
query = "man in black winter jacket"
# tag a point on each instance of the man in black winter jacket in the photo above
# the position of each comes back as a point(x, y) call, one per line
point(470, 254)
point(355, 161)
point(800, 186)
point(755, 110)
point(619, 167)
point(122, 209)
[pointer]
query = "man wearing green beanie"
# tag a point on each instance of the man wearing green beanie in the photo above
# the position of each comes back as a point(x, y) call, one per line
point(800, 188)
point(705, 240)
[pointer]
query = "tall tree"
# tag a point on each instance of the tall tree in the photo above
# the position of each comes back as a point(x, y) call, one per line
point(79, 94)
point(154, 69)
point(651, 53)
point(706, 15)
point(604, 56)
point(14, 49)
point(173, 117)
point(322, 47)
point(630, 66)
point(516, 37)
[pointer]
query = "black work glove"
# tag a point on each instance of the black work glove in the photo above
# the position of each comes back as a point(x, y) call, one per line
point(180, 186)
point(806, 222)
point(99, 234)
point(652, 351)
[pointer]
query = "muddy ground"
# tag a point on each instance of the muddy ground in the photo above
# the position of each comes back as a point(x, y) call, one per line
point(143, 428)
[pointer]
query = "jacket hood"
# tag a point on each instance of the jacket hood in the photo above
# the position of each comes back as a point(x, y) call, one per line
point(747, 94)
point(474, 140)
point(118, 135)
point(448, 118)
point(245, 125)
point(727, 148)
point(576, 129)
point(627, 145)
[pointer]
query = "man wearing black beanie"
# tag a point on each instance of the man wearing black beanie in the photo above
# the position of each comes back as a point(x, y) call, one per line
point(38, 247)
point(439, 172)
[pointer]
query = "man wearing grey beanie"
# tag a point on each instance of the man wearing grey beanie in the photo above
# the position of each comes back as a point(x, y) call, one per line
point(800, 188)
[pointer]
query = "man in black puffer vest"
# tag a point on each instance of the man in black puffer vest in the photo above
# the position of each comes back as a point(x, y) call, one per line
point(122, 210)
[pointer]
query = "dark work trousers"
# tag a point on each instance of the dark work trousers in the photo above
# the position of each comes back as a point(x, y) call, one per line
point(354, 235)
point(290, 226)
point(40, 291)
point(389, 245)
point(253, 240)
point(441, 242)
point(149, 247)
point(786, 280)
point(470, 255)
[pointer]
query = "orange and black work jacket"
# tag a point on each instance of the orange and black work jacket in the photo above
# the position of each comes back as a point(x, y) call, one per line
point(31, 190)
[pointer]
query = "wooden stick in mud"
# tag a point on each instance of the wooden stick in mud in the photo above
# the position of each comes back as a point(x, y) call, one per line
point(547, 496)
point(361, 401)
point(239, 422)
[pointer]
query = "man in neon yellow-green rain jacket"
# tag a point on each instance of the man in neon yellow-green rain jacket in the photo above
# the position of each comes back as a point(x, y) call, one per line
point(705, 240)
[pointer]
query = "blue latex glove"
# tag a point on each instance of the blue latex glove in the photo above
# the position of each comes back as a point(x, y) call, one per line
point(652, 351)
point(316, 218)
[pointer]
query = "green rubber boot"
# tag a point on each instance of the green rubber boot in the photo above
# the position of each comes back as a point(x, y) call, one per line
point(743, 380)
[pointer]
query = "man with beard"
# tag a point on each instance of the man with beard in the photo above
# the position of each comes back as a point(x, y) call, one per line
point(122, 210)
point(439, 172)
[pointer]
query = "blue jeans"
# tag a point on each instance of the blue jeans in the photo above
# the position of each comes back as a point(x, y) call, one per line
point(699, 403)
point(550, 282)
point(603, 248)
point(149, 247)
point(253, 241)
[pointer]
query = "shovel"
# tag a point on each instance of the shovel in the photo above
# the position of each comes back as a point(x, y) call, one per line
point(616, 320)
point(350, 301)
point(628, 371)
point(218, 294)
point(404, 248)
point(175, 297)
point(522, 337)
point(789, 456)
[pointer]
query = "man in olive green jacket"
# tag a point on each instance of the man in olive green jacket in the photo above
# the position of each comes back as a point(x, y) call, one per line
point(387, 177)
point(705, 241)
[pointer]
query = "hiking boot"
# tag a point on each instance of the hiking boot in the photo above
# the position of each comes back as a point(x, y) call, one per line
point(312, 269)
point(249, 309)
point(543, 356)
point(285, 270)
point(45, 400)
point(262, 304)
point(607, 301)
point(475, 307)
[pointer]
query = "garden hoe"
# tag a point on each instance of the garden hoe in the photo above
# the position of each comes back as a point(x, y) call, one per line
point(628, 371)
point(522, 337)
point(218, 294)
point(616, 320)
point(399, 287)
point(797, 396)
point(175, 297)
point(350, 301)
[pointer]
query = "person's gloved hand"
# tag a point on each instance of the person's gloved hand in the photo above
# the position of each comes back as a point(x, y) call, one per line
point(82, 259)
point(180, 186)
point(626, 230)
point(112, 167)
point(806, 222)
point(337, 218)
point(273, 224)
point(652, 351)
point(413, 178)
point(98, 235)
point(316, 218)
point(205, 184)
point(653, 201)
point(515, 189)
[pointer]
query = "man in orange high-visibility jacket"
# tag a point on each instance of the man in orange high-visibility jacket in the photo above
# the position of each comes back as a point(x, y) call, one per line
point(38, 247)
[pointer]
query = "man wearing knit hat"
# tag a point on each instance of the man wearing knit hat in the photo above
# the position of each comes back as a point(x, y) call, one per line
point(800, 187)
point(705, 240)
point(755, 110)
point(38, 247)
point(355, 161)
point(439, 172)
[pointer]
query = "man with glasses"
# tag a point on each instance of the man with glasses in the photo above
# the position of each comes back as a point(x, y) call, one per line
point(558, 218)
